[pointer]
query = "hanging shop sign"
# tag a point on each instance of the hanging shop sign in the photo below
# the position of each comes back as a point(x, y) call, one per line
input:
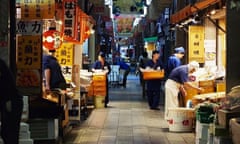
point(29, 52)
point(64, 56)
point(52, 39)
point(86, 24)
point(196, 43)
point(37, 9)
point(29, 27)
point(124, 25)
point(135, 7)
point(69, 18)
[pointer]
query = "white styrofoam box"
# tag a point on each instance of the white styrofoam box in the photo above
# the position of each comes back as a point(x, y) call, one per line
point(24, 127)
point(202, 130)
point(25, 135)
point(25, 100)
point(25, 115)
point(201, 141)
point(44, 128)
point(25, 107)
point(25, 141)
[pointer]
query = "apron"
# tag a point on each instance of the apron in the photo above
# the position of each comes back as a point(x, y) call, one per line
point(171, 96)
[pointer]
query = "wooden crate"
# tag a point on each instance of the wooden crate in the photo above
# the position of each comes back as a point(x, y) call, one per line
point(206, 83)
point(207, 89)
point(149, 75)
point(224, 117)
point(221, 87)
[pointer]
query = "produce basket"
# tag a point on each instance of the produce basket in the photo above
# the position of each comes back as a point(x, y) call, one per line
point(149, 75)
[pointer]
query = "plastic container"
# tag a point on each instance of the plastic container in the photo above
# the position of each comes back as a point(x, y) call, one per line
point(99, 101)
point(181, 119)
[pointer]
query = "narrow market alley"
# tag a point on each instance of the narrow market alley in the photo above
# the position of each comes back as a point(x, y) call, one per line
point(126, 120)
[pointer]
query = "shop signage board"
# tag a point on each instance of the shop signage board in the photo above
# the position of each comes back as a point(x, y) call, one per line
point(196, 44)
point(64, 56)
point(34, 27)
point(37, 9)
point(69, 18)
point(29, 52)
point(124, 25)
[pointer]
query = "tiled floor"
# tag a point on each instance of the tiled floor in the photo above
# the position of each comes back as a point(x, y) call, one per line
point(127, 120)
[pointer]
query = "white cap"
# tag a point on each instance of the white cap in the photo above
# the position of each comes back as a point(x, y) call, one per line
point(193, 65)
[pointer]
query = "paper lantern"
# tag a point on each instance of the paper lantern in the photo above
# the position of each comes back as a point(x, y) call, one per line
point(52, 39)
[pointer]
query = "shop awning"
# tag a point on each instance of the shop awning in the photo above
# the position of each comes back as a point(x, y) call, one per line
point(191, 10)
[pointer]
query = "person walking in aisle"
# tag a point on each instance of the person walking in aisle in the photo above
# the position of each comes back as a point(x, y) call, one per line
point(102, 64)
point(174, 60)
point(153, 86)
point(11, 106)
point(126, 68)
point(177, 78)
point(142, 65)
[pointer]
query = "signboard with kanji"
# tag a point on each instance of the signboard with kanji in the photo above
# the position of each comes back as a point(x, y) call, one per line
point(37, 9)
point(196, 43)
point(69, 18)
point(65, 54)
point(29, 52)
point(29, 27)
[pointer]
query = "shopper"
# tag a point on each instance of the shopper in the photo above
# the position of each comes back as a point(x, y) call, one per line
point(153, 86)
point(174, 60)
point(53, 76)
point(123, 66)
point(177, 78)
point(102, 64)
point(11, 106)
point(142, 64)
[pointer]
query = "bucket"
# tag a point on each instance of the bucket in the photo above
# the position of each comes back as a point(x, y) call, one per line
point(180, 119)
point(99, 101)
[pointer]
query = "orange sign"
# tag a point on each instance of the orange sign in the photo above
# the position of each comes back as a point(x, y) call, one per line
point(37, 9)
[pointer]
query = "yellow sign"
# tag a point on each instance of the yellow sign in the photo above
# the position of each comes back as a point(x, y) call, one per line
point(37, 9)
point(196, 44)
point(29, 52)
point(65, 54)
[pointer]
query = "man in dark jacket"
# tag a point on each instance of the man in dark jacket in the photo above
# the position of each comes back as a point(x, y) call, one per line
point(11, 106)
point(153, 86)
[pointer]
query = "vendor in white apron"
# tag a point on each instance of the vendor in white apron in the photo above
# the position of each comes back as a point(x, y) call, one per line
point(178, 77)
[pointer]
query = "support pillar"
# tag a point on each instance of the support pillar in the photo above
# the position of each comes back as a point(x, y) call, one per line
point(232, 47)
